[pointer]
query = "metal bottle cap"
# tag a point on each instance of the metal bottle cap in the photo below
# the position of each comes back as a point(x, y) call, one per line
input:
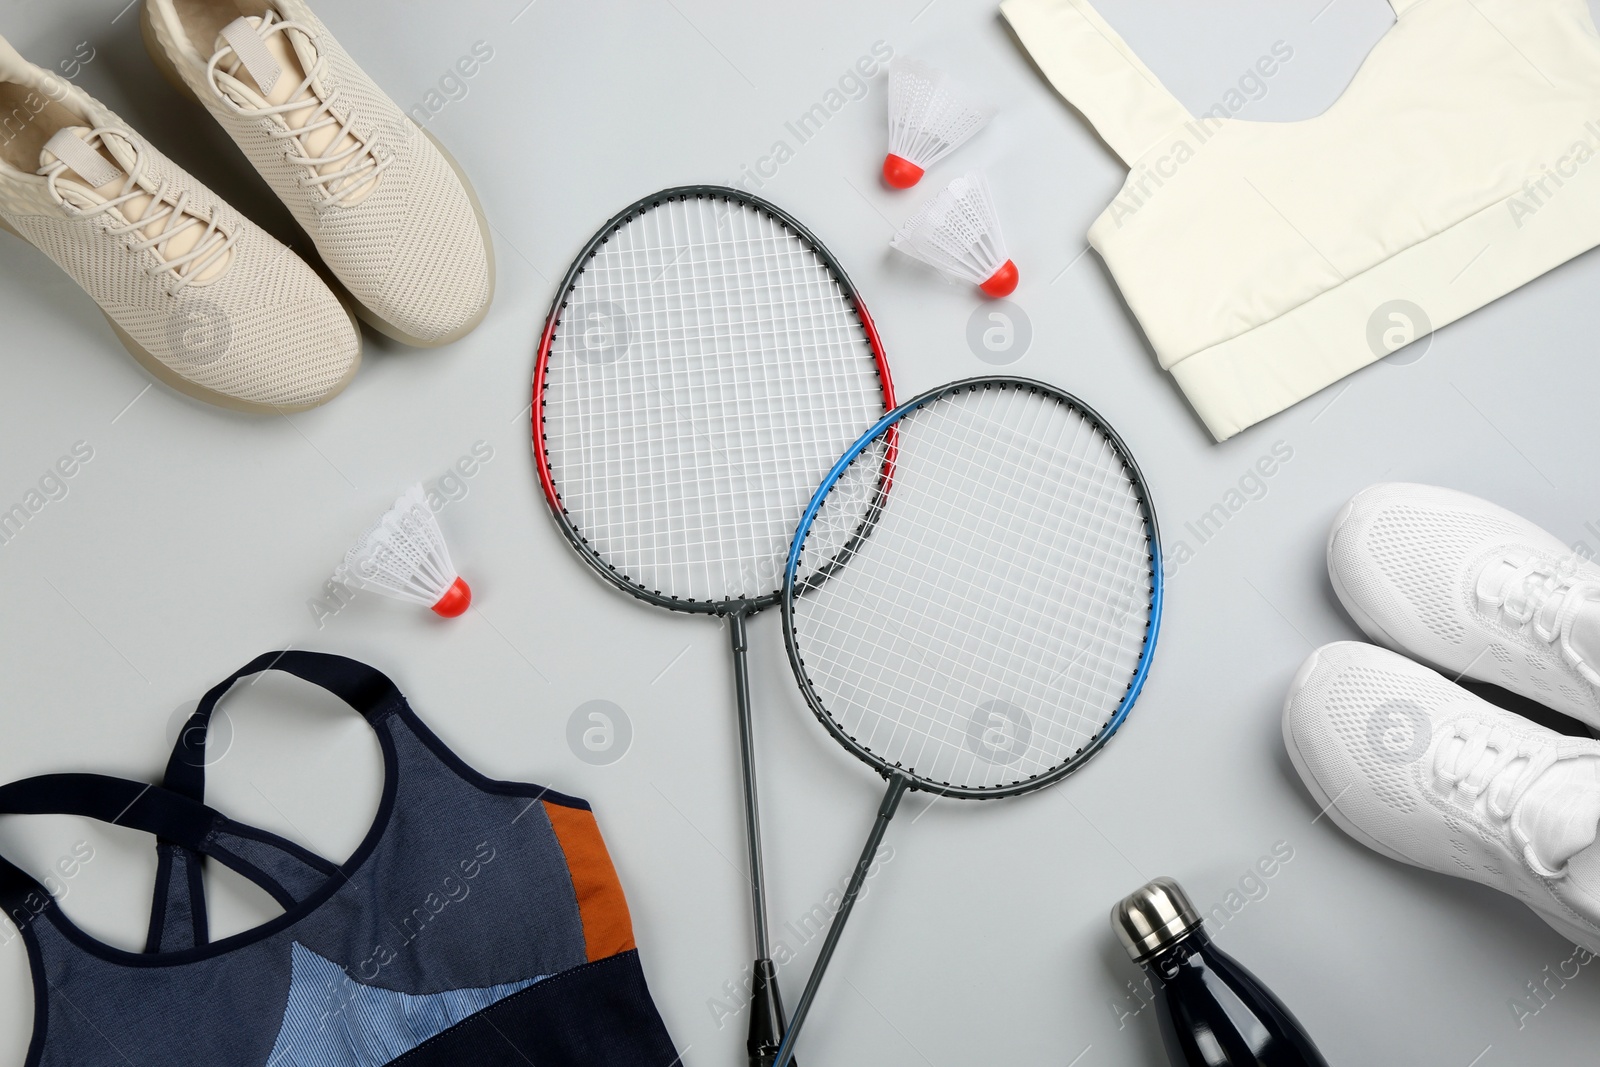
point(1153, 917)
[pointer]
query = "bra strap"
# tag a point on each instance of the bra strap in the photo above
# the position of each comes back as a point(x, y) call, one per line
point(1097, 73)
point(110, 800)
point(182, 826)
point(178, 916)
point(113, 800)
point(368, 691)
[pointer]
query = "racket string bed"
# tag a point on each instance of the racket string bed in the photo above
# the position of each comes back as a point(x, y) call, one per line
point(777, 364)
point(997, 540)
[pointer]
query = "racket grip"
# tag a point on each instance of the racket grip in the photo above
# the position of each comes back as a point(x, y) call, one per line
point(891, 803)
point(766, 1018)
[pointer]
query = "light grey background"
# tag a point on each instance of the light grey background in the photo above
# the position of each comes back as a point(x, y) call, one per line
point(196, 538)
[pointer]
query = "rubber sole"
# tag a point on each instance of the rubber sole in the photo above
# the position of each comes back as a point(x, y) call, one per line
point(169, 71)
point(173, 380)
point(1328, 806)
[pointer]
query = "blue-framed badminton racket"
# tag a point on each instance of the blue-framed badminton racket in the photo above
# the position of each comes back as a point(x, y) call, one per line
point(972, 599)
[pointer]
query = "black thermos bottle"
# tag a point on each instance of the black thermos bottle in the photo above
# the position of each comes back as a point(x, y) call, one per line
point(1213, 1012)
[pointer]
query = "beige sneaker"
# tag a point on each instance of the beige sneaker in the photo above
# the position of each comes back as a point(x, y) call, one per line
point(204, 299)
point(390, 212)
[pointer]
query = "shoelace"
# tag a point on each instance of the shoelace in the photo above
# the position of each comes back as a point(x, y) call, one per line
point(1544, 595)
point(212, 245)
point(1476, 768)
point(363, 165)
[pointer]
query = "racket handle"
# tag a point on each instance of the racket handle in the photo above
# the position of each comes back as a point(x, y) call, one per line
point(891, 801)
point(766, 1016)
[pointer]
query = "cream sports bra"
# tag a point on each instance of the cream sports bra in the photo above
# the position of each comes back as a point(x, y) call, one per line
point(1265, 259)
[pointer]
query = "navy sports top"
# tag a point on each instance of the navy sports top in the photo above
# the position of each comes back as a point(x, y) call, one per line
point(479, 922)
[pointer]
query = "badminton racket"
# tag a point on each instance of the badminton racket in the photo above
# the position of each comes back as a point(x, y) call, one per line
point(704, 365)
point(988, 627)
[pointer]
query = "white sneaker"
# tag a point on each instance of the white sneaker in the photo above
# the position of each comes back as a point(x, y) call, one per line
point(1422, 771)
point(388, 209)
point(1473, 590)
point(203, 298)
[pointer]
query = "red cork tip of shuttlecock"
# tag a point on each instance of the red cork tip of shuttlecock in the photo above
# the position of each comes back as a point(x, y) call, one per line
point(1002, 282)
point(900, 172)
point(455, 601)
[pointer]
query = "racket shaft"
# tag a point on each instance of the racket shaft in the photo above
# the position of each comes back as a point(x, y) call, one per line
point(891, 802)
point(747, 761)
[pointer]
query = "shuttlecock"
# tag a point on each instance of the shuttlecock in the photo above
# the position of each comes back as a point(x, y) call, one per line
point(404, 556)
point(958, 233)
point(929, 117)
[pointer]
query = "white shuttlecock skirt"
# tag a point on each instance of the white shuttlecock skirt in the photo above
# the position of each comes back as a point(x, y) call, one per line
point(403, 555)
point(930, 116)
point(958, 233)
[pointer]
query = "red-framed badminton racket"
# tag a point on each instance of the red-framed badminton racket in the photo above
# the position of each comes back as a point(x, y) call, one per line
point(705, 364)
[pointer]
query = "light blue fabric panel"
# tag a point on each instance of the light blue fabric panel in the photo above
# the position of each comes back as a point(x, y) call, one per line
point(331, 1020)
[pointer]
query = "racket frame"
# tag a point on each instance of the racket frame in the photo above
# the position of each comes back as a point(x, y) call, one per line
point(886, 429)
point(742, 606)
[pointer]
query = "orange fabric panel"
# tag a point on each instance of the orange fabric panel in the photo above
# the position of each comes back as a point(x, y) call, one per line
point(607, 929)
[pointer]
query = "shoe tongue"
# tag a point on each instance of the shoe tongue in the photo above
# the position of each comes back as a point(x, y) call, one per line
point(1561, 811)
point(243, 37)
point(93, 175)
point(1492, 582)
point(270, 71)
point(90, 167)
point(1586, 638)
point(269, 68)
